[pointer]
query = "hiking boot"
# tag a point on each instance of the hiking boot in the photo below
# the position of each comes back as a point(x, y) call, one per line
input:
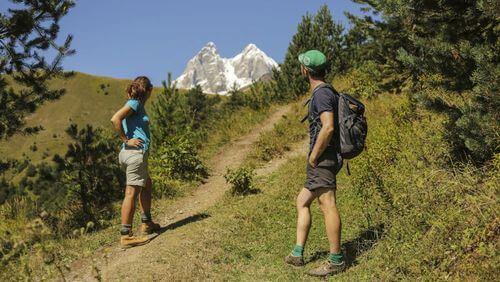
point(149, 227)
point(293, 260)
point(129, 241)
point(327, 268)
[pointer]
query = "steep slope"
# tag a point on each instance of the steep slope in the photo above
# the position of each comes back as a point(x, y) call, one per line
point(218, 75)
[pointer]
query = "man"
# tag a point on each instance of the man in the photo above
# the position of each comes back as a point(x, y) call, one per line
point(324, 162)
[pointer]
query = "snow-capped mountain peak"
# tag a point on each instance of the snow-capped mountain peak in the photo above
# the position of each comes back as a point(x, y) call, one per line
point(218, 75)
point(209, 48)
point(250, 47)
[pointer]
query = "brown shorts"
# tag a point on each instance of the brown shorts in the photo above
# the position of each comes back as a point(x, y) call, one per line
point(324, 175)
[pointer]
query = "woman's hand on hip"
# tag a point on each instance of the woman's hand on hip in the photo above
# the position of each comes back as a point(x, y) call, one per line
point(134, 142)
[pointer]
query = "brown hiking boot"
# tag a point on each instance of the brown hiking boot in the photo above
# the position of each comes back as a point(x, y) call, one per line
point(149, 227)
point(293, 260)
point(327, 268)
point(129, 241)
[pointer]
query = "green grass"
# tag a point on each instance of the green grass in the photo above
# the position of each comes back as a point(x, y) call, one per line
point(285, 134)
point(232, 126)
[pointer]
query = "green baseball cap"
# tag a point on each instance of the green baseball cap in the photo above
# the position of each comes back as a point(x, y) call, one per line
point(313, 59)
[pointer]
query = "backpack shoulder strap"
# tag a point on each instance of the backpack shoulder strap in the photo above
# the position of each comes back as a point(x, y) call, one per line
point(322, 85)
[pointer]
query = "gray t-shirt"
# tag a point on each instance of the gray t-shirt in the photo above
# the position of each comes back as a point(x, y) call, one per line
point(324, 99)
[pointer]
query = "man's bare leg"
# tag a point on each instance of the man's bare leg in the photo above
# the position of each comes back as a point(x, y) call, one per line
point(335, 262)
point(304, 200)
point(328, 205)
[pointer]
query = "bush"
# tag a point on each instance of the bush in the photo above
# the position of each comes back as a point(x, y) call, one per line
point(241, 180)
point(365, 80)
point(177, 113)
point(256, 97)
point(178, 159)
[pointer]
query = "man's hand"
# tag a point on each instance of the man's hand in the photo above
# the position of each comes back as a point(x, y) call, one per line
point(134, 142)
point(313, 160)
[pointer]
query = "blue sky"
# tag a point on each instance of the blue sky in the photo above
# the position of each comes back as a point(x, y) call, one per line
point(125, 38)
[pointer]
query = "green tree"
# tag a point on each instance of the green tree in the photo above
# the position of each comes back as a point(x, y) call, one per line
point(328, 38)
point(168, 113)
point(27, 33)
point(289, 80)
point(90, 174)
point(198, 106)
point(448, 45)
point(313, 32)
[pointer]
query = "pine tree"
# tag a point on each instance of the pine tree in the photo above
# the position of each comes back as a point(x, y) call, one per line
point(90, 173)
point(448, 45)
point(289, 80)
point(313, 32)
point(168, 113)
point(198, 106)
point(26, 34)
point(328, 38)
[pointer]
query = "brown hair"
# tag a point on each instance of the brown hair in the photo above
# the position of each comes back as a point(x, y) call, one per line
point(139, 88)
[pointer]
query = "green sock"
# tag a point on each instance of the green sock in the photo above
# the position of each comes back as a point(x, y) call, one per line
point(336, 258)
point(298, 251)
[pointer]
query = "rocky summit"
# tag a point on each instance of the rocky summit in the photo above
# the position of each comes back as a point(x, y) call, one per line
point(219, 75)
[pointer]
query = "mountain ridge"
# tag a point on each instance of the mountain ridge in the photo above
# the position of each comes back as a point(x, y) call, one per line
point(218, 75)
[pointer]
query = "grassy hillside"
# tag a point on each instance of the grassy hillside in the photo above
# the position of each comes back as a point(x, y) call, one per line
point(88, 100)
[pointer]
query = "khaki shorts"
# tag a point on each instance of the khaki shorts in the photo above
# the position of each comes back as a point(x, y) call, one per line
point(135, 164)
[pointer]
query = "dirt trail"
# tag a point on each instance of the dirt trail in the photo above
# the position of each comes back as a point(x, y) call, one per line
point(112, 263)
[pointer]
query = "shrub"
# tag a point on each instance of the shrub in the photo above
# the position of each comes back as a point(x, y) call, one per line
point(241, 180)
point(256, 97)
point(365, 80)
point(178, 159)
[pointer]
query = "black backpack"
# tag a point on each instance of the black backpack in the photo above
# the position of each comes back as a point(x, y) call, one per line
point(352, 123)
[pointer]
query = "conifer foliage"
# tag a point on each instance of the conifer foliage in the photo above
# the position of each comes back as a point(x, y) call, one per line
point(444, 54)
point(448, 45)
point(318, 32)
point(27, 32)
point(90, 173)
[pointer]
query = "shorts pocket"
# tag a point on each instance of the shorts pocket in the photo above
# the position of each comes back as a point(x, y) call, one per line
point(328, 160)
point(327, 163)
point(135, 159)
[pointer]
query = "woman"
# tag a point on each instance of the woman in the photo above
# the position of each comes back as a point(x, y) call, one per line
point(132, 124)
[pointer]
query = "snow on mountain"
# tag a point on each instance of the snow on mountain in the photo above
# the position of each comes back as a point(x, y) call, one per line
point(218, 75)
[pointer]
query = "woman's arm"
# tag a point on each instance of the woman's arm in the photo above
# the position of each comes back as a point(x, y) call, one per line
point(116, 120)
